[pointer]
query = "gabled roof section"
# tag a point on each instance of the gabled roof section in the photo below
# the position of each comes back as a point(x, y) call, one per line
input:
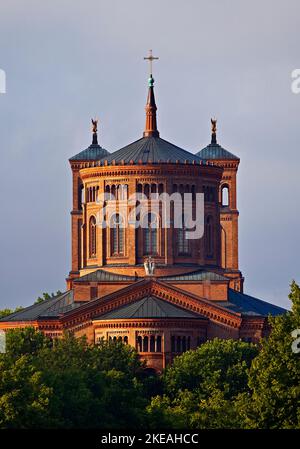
point(50, 308)
point(199, 275)
point(102, 276)
point(93, 153)
point(148, 307)
point(152, 150)
point(250, 306)
point(214, 151)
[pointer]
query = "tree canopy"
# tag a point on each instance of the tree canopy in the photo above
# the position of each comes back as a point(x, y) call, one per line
point(67, 383)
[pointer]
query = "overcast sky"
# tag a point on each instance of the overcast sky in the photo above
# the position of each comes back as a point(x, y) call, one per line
point(66, 61)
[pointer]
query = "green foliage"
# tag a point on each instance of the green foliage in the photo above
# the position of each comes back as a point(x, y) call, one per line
point(24, 397)
point(47, 296)
point(274, 378)
point(217, 364)
point(6, 312)
point(201, 386)
point(67, 383)
point(26, 341)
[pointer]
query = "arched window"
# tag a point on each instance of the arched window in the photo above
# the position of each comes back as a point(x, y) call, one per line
point(139, 344)
point(225, 196)
point(183, 344)
point(178, 344)
point(117, 235)
point(113, 192)
point(146, 190)
point(158, 343)
point(182, 241)
point(209, 232)
point(152, 343)
point(124, 192)
point(173, 347)
point(80, 196)
point(188, 343)
point(193, 190)
point(153, 188)
point(107, 192)
point(126, 340)
point(93, 237)
point(145, 344)
point(150, 226)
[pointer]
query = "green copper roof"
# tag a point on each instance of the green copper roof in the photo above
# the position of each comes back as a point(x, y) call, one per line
point(102, 276)
point(199, 275)
point(152, 150)
point(148, 307)
point(92, 153)
point(50, 308)
point(215, 151)
point(250, 306)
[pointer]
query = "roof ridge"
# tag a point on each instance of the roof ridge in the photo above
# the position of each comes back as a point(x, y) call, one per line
point(122, 148)
point(160, 304)
point(142, 302)
point(182, 149)
point(58, 300)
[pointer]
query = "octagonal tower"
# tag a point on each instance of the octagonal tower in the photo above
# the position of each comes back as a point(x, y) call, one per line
point(150, 165)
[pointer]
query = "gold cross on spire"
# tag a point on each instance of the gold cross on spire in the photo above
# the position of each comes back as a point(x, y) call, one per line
point(150, 58)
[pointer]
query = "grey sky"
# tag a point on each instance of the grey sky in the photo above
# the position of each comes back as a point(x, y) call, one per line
point(66, 61)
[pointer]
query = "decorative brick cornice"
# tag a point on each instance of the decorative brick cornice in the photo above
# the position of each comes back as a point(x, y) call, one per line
point(151, 323)
point(253, 323)
point(166, 169)
point(227, 163)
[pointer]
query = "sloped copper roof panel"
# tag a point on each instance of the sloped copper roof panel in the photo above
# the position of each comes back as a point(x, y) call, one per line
point(250, 306)
point(199, 275)
point(215, 151)
point(148, 307)
point(92, 153)
point(49, 308)
point(152, 150)
point(102, 275)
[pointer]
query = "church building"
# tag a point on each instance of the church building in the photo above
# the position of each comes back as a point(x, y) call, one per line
point(150, 286)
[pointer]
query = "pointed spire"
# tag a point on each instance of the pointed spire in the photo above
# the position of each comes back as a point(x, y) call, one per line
point(151, 125)
point(94, 131)
point(213, 130)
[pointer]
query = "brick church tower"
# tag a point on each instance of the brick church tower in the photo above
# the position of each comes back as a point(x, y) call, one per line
point(151, 286)
point(229, 213)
